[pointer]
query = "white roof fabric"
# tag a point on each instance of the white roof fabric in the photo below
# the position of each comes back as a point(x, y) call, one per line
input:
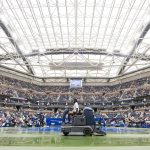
point(106, 32)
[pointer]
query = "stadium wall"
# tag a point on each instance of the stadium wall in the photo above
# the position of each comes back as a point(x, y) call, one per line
point(63, 81)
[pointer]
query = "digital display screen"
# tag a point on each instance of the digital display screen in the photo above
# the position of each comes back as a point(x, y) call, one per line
point(74, 83)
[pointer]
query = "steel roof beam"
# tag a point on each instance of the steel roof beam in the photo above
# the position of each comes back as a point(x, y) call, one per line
point(146, 29)
point(70, 51)
point(2, 25)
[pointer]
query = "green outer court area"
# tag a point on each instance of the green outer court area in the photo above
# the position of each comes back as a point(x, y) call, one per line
point(11, 139)
point(77, 148)
point(69, 141)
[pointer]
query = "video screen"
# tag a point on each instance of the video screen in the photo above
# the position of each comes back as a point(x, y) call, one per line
point(75, 83)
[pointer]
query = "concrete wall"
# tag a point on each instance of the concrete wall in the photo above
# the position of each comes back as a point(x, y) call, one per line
point(63, 81)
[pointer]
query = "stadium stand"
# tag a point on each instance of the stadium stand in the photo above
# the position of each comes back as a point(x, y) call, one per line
point(21, 100)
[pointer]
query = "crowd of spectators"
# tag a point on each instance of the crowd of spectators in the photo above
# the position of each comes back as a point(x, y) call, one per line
point(22, 119)
point(127, 118)
point(30, 91)
point(28, 118)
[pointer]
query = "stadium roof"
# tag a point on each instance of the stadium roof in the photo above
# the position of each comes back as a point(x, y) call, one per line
point(53, 38)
